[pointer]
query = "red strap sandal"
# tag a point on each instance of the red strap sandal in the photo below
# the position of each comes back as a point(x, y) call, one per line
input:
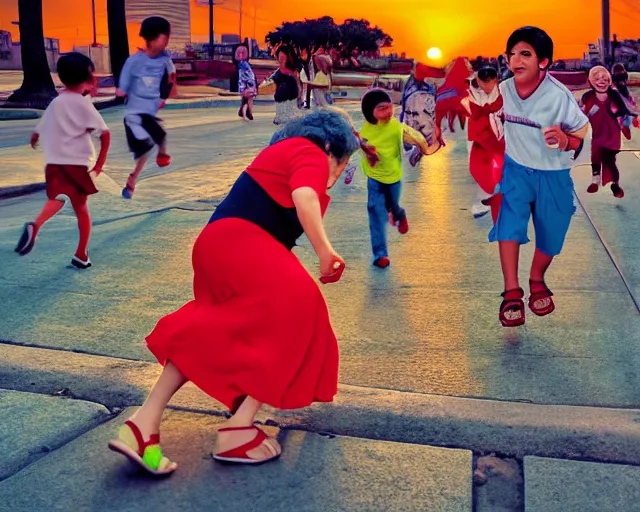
point(239, 455)
point(540, 301)
point(512, 312)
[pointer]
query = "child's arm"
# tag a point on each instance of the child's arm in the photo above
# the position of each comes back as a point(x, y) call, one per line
point(125, 80)
point(415, 138)
point(95, 123)
point(105, 142)
point(35, 137)
point(573, 129)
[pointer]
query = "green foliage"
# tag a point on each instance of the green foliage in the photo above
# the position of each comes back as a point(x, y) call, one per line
point(307, 36)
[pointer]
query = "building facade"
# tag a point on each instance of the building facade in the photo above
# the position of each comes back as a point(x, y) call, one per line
point(178, 12)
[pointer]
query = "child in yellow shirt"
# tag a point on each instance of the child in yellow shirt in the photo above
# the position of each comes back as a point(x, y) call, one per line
point(388, 135)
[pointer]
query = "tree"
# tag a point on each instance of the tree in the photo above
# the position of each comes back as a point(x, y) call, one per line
point(37, 88)
point(359, 35)
point(307, 36)
point(118, 37)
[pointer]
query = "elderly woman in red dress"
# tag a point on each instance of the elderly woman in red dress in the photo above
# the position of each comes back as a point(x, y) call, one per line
point(258, 330)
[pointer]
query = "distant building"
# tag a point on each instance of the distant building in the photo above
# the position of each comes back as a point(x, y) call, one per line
point(230, 39)
point(178, 12)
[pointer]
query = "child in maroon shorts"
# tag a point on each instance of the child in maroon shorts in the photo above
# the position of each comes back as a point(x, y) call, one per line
point(65, 130)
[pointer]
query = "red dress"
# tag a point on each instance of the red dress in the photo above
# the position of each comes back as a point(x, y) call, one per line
point(258, 325)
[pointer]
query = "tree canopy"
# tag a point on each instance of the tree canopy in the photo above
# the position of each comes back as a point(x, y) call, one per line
point(307, 36)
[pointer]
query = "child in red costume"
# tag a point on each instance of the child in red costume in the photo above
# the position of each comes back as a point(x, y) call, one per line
point(609, 116)
point(486, 137)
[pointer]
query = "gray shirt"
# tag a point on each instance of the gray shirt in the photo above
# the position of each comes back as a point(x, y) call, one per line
point(551, 104)
point(141, 78)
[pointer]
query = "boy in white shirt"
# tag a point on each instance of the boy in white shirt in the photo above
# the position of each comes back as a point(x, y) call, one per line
point(65, 129)
point(542, 125)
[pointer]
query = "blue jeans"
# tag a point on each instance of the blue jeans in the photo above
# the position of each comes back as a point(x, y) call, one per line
point(382, 199)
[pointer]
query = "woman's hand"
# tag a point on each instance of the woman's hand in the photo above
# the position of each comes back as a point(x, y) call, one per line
point(331, 266)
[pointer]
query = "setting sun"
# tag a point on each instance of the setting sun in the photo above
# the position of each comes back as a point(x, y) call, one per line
point(434, 53)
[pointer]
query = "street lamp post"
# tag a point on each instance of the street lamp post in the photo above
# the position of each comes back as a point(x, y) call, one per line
point(93, 13)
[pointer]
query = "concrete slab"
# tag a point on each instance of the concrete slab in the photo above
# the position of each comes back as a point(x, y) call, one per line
point(553, 485)
point(514, 429)
point(315, 474)
point(34, 425)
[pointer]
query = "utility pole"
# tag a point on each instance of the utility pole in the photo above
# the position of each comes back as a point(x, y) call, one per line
point(606, 30)
point(240, 23)
point(93, 11)
point(211, 29)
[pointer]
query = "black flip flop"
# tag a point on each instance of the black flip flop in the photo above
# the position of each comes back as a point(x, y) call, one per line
point(27, 239)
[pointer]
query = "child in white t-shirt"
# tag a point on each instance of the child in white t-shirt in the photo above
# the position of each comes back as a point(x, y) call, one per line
point(542, 125)
point(65, 132)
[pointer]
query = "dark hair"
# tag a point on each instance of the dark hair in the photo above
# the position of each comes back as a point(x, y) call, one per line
point(537, 38)
point(487, 72)
point(371, 100)
point(292, 61)
point(75, 68)
point(154, 27)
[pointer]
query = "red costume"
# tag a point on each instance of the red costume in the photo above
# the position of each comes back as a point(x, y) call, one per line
point(454, 88)
point(486, 156)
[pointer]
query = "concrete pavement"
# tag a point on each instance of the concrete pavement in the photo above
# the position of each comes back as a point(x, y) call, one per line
point(423, 358)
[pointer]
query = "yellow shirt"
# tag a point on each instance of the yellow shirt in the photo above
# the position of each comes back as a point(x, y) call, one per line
point(388, 139)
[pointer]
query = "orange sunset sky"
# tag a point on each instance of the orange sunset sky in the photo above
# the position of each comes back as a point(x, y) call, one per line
point(458, 27)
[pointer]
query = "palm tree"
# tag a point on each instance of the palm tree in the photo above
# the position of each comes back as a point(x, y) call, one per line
point(37, 88)
point(118, 38)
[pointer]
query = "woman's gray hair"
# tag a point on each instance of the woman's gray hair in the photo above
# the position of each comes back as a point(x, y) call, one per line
point(326, 126)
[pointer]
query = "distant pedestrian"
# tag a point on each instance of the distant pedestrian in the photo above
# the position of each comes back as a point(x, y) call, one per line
point(246, 82)
point(65, 133)
point(147, 80)
point(288, 86)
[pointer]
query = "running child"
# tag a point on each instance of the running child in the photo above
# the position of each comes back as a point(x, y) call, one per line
point(486, 139)
point(147, 80)
point(609, 116)
point(385, 135)
point(65, 132)
point(543, 124)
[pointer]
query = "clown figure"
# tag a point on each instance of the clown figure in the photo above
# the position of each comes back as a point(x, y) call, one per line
point(609, 116)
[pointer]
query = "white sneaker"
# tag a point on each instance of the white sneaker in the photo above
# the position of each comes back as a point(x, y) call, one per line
point(479, 210)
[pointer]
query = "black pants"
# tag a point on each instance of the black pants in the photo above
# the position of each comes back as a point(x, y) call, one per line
point(605, 159)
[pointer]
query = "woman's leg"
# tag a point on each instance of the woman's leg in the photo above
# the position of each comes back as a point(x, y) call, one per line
point(245, 417)
point(149, 416)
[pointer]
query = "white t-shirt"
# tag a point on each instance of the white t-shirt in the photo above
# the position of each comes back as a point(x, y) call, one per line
point(551, 104)
point(65, 130)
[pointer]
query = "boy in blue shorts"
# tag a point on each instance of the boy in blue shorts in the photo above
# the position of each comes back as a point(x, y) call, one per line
point(543, 124)
point(146, 81)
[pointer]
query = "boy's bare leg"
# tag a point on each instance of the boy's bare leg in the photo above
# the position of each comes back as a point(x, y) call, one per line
point(133, 177)
point(509, 256)
point(539, 266)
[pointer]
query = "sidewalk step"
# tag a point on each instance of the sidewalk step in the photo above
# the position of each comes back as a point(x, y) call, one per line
point(33, 425)
point(315, 474)
point(553, 485)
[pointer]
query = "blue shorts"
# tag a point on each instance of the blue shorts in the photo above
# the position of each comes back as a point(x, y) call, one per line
point(547, 196)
